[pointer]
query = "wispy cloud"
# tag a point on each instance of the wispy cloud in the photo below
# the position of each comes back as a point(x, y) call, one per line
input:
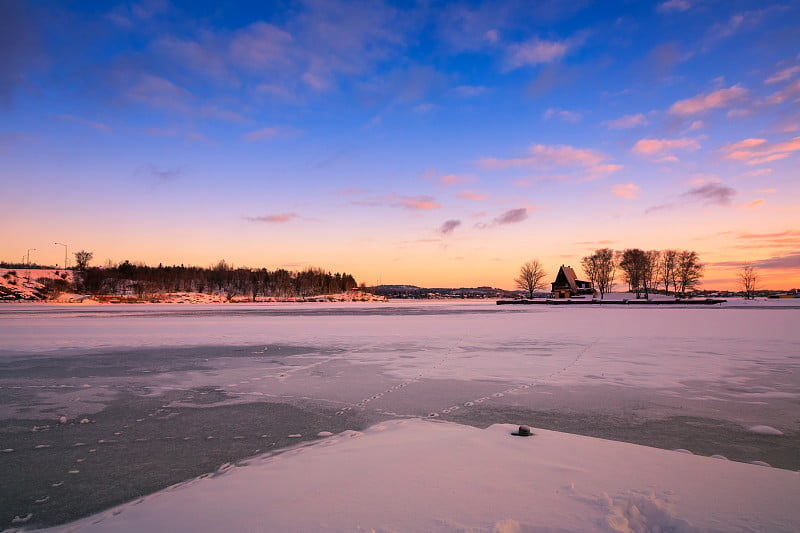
point(470, 91)
point(781, 239)
point(260, 134)
point(711, 194)
point(471, 195)
point(512, 216)
point(159, 92)
point(755, 204)
point(705, 102)
point(419, 203)
point(564, 114)
point(159, 176)
point(279, 218)
point(756, 151)
point(784, 262)
point(628, 121)
point(413, 203)
point(627, 191)
point(446, 179)
point(78, 120)
point(449, 226)
point(789, 93)
point(548, 156)
point(671, 6)
point(783, 75)
point(663, 149)
point(534, 52)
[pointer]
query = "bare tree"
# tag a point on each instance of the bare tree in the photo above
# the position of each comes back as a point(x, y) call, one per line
point(748, 279)
point(82, 259)
point(531, 276)
point(650, 272)
point(667, 267)
point(634, 267)
point(689, 271)
point(600, 268)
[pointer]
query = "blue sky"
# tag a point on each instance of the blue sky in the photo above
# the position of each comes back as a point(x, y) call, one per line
point(436, 143)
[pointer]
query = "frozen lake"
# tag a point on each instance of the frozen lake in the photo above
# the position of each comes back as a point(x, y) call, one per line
point(102, 404)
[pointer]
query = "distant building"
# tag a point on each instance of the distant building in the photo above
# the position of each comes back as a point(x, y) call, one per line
point(567, 284)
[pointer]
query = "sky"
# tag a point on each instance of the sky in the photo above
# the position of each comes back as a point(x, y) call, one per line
point(431, 143)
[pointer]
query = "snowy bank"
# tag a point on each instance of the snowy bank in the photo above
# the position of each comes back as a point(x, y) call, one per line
point(420, 475)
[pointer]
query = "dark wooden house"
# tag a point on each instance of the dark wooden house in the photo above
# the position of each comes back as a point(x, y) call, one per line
point(568, 285)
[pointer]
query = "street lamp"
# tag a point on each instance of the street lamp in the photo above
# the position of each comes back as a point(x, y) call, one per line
point(28, 261)
point(65, 253)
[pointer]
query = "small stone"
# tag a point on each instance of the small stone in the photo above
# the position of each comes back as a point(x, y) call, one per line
point(523, 431)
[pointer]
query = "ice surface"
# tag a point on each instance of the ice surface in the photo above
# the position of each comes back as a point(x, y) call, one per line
point(159, 388)
point(417, 475)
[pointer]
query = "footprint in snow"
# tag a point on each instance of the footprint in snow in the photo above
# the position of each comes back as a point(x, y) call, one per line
point(21, 520)
point(765, 430)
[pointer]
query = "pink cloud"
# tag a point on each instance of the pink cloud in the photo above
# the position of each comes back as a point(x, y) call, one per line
point(664, 147)
point(745, 144)
point(705, 102)
point(628, 121)
point(782, 75)
point(471, 195)
point(759, 151)
point(446, 179)
point(753, 205)
point(258, 135)
point(535, 52)
point(423, 203)
point(273, 219)
point(605, 169)
point(673, 5)
point(628, 191)
point(790, 92)
point(541, 155)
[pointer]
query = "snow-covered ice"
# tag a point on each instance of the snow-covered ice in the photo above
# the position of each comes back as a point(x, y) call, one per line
point(418, 475)
point(170, 392)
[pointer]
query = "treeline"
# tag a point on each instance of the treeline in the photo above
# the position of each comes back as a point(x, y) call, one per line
point(677, 271)
point(145, 281)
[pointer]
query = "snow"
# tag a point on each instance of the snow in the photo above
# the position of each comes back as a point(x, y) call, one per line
point(765, 430)
point(414, 366)
point(419, 475)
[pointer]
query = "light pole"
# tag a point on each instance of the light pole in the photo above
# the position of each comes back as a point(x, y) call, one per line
point(28, 262)
point(65, 253)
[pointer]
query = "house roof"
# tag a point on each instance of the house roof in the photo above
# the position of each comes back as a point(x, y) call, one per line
point(566, 277)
